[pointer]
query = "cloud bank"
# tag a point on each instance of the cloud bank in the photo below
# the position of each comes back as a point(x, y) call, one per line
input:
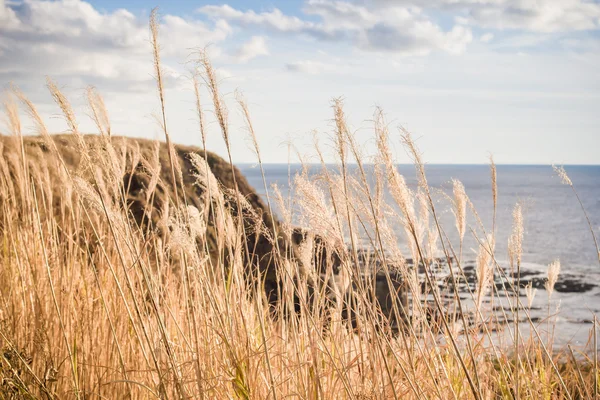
point(403, 30)
point(70, 38)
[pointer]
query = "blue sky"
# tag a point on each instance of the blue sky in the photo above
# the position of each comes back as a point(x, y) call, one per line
point(519, 79)
point(186, 7)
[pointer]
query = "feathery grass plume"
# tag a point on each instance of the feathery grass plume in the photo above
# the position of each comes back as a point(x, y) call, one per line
point(432, 242)
point(340, 197)
point(197, 227)
point(341, 130)
point(553, 272)
point(305, 256)
point(460, 207)
point(13, 121)
point(379, 195)
point(562, 174)
point(201, 122)
point(246, 112)
point(337, 214)
point(99, 113)
point(400, 192)
point(530, 292)
point(102, 187)
point(389, 239)
point(421, 227)
point(34, 114)
point(205, 178)
point(316, 214)
point(247, 209)
point(484, 272)
point(154, 25)
point(65, 107)
point(215, 197)
point(61, 100)
point(424, 229)
point(515, 243)
point(96, 199)
point(42, 130)
point(423, 220)
point(213, 192)
point(408, 141)
point(105, 159)
point(283, 210)
point(220, 108)
point(183, 236)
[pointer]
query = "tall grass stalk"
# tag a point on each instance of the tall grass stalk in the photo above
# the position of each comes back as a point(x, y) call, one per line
point(154, 26)
point(560, 171)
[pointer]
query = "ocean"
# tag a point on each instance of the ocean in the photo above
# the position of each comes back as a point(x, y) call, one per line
point(555, 226)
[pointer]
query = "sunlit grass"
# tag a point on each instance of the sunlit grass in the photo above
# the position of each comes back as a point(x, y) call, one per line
point(101, 297)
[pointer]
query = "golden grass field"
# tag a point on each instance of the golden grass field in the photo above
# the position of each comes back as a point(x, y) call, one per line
point(137, 269)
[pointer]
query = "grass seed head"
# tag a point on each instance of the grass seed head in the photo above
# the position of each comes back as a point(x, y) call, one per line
point(553, 272)
point(562, 174)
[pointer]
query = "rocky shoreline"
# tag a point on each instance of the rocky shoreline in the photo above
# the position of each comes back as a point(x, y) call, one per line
point(569, 288)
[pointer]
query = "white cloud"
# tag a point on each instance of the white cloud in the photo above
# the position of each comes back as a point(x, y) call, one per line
point(312, 67)
point(521, 41)
point(459, 19)
point(274, 19)
point(71, 39)
point(8, 19)
point(536, 16)
point(530, 15)
point(582, 45)
point(486, 37)
point(403, 30)
point(255, 47)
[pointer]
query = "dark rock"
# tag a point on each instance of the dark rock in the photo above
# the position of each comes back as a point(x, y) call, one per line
point(389, 293)
point(565, 284)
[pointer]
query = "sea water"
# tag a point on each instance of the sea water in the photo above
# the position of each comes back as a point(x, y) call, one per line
point(555, 225)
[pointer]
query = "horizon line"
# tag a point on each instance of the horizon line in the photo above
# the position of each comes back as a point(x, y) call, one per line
point(431, 164)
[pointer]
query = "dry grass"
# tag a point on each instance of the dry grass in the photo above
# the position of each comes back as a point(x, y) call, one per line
point(125, 275)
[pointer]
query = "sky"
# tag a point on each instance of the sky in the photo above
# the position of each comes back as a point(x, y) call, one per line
point(518, 79)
